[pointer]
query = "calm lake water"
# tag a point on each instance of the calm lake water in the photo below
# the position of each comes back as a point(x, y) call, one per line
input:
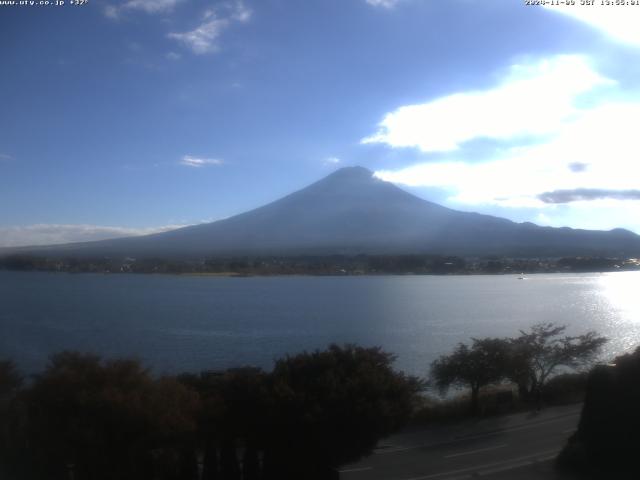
point(178, 323)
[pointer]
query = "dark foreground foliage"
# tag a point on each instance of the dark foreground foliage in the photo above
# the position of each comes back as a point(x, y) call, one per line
point(84, 418)
point(606, 443)
point(96, 419)
point(529, 361)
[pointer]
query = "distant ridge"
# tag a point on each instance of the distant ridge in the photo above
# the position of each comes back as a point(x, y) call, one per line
point(350, 212)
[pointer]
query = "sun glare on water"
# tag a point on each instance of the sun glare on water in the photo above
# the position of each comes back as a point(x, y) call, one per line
point(621, 291)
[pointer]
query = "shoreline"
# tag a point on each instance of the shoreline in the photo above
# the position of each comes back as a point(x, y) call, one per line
point(519, 276)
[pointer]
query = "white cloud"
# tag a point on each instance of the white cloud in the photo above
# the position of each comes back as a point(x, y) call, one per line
point(189, 161)
point(173, 56)
point(151, 6)
point(576, 158)
point(332, 161)
point(602, 140)
point(619, 22)
point(51, 234)
point(203, 38)
point(240, 12)
point(5, 157)
point(146, 6)
point(383, 3)
point(111, 11)
point(596, 215)
point(534, 99)
point(544, 219)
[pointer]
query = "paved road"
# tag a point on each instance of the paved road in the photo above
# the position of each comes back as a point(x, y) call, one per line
point(516, 446)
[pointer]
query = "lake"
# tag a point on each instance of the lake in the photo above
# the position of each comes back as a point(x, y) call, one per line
point(191, 323)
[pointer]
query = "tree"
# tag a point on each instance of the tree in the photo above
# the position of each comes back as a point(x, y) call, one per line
point(481, 364)
point(108, 419)
point(314, 412)
point(540, 352)
point(605, 444)
point(10, 414)
point(331, 407)
point(233, 416)
point(10, 379)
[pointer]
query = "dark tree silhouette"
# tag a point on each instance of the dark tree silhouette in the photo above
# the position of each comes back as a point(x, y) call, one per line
point(605, 444)
point(232, 420)
point(106, 420)
point(89, 419)
point(10, 379)
point(315, 411)
point(481, 364)
point(331, 407)
point(539, 353)
point(11, 414)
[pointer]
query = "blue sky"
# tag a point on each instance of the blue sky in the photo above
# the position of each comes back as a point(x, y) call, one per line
point(134, 116)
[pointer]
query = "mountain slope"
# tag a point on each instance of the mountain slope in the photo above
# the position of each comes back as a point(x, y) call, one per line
point(350, 211)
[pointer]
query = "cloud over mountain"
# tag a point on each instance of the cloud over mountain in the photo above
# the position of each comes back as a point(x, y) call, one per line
point(587, 194)
point(533, 99)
